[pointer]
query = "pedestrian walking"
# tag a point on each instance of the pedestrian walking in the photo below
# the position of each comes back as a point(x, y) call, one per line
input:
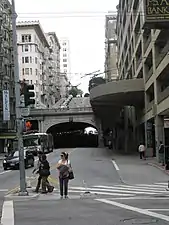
point(141, 150)
point(44, 172)
point(65, 169)
point(36, 171)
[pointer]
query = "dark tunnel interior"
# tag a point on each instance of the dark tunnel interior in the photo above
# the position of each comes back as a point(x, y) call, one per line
point(72, 135)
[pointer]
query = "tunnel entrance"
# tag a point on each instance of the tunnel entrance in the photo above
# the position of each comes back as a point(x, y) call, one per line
point(73, 134)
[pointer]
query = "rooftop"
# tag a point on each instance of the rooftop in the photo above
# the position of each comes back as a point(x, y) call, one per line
point(37, 26)
point(55, 37)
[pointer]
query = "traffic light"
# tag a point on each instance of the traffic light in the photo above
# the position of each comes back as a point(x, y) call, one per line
point(29, 94)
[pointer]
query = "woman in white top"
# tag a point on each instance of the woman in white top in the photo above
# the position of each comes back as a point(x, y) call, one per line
point(64, 167)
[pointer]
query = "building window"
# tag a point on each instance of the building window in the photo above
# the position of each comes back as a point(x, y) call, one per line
point(30, 71)
point(26, 38)
point(22, 59)
point(22, 48)
point(36, 60)
point(40, 66)
point(65, 71)
point(64, 60)
point(30, 59)
point(36, 71)
point(64, 43)
point(26, 71)
point(27, 59)
point(23, 71)
point(64, 65)
point(30, 81)
point(64, 49)
point(30, 48)
point(64, 55)
point(26, 48)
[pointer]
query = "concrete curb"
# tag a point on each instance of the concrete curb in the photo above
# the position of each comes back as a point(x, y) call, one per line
point(16, 197)
point(158, 167)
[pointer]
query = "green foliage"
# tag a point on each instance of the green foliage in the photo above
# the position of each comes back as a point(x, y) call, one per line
point(87, 95)
point(95, 82)
point(74, 91)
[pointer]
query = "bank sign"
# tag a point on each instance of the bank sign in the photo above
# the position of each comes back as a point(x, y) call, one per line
point(156, 11)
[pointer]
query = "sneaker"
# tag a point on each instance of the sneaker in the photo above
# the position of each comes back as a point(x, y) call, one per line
point(66, 197)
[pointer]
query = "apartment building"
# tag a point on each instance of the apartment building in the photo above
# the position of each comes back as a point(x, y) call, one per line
point(111, 72)
point(54, 83)
point(7, 88)
point(65, 66)
point(143, 52)
point(33, 52)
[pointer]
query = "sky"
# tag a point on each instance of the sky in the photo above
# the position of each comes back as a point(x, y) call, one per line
point(85, 31)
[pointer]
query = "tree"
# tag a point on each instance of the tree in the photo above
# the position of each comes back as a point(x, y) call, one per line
point(74, 91)
point(95, 82)
point(87, 95)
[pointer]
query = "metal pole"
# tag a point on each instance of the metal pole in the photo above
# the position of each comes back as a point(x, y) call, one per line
point(23, 190)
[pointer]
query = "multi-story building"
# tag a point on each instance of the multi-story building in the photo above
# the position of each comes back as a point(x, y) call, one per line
point(143, 52)
point(33, 53)
point(65, 66)
point(111, 72)
point(54, 65)
point(64, 85)
point(7, 84)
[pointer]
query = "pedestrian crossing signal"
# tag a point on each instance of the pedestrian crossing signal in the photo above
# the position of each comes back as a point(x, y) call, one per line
point(28, 125)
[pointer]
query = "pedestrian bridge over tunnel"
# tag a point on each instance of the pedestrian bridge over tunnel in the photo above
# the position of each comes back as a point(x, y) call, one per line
point(71, 135)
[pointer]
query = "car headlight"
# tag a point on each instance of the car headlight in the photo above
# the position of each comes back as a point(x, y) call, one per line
point(4, 161)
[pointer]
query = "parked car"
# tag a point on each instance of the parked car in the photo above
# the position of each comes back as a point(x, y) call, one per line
point(11, 161)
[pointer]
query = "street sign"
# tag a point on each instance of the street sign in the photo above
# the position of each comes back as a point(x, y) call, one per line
point(25, 111)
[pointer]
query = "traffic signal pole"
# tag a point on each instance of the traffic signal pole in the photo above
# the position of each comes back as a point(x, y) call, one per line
point(19, 127)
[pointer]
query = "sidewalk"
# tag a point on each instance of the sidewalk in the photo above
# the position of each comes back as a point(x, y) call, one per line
point(154, 163)
point(133, 170)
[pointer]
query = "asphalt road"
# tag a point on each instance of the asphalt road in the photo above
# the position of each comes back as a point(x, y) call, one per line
point(108, 201)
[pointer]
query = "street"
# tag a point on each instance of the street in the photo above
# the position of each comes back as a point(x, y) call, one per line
point(97, 195)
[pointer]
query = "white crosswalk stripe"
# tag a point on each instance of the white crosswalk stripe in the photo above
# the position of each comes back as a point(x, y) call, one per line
point(123, 189)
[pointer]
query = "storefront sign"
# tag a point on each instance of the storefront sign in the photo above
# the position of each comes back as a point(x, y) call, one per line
point(156, 11)
point(6, 106)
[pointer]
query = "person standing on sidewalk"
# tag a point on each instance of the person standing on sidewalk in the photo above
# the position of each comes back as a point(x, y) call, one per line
point(141, 150)
point(161, 153)
point(64, 167)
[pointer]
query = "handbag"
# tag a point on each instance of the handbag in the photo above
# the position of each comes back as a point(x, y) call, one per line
point(71, 175)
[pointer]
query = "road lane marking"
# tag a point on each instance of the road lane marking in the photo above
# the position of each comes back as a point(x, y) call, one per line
point(131, 188)
point(3, 190)
point(7, 213)
point(141, 198)
point(8, 171)
point(141, 187)
point(134, 209)
point(115, 165)
point(101, 193)
point(162, 210)
point(116, 190)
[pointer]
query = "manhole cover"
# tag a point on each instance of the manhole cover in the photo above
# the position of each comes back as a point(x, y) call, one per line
point(141, 221)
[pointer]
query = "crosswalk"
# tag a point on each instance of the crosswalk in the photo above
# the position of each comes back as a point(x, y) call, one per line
point(122, 190)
